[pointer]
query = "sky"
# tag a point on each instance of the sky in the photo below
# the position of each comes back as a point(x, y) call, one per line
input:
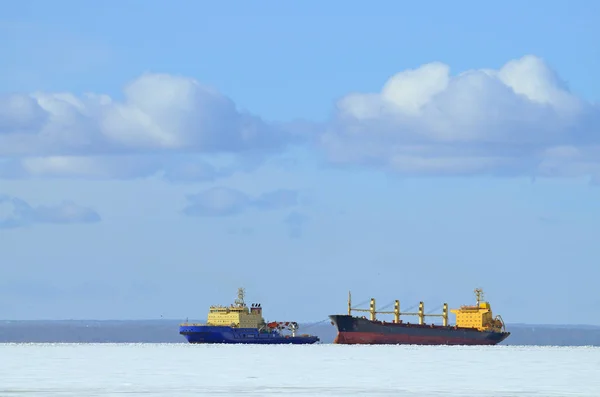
point(155, 156)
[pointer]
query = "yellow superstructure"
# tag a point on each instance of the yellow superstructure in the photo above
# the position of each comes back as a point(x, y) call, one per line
point(237, 314)
point(478, 316)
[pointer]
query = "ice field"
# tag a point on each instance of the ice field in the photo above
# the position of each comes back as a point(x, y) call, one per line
point(313, 370)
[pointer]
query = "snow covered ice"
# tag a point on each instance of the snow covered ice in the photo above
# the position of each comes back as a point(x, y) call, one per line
point(315, 370)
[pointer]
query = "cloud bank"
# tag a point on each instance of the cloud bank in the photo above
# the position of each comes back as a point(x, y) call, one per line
point(95, 136)
point(518, 120)
point(15, 213)
point(223, 201)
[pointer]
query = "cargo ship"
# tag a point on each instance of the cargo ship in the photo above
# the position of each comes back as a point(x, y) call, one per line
point(240, 324)
point(475, 325)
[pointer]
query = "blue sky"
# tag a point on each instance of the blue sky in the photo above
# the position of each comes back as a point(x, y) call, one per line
point(155, 156)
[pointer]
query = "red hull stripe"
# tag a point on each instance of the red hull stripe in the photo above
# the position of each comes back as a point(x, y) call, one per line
point(370, 338)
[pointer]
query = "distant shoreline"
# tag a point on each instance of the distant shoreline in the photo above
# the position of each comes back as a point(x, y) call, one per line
point(166, 331)
point(305, 324)
point(172, 320)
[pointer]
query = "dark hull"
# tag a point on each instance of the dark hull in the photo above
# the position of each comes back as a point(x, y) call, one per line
point(356, 330)
point(207, 334)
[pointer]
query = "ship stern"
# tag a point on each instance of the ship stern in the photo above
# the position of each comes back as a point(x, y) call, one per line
point(501, 337)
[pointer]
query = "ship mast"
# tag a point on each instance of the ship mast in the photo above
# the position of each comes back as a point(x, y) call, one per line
point(240, 299)
point(421, 313)
point(349, 304)
point(479, 295)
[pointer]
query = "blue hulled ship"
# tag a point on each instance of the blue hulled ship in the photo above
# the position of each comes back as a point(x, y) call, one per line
point(238, 323)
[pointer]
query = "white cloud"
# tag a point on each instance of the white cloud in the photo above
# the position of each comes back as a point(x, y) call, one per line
point(18, 213)
point(518, 120)
point(62, 134)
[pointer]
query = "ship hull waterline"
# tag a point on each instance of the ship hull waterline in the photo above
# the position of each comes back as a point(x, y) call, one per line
point(356, 330)
point(202, 334)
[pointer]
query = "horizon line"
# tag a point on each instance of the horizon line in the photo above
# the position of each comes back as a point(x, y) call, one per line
point(300, 322)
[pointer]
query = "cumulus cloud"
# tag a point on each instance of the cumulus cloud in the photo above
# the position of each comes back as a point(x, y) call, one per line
point(15, 212)
point(52, 134)
point(519, 120)
point(223, 201)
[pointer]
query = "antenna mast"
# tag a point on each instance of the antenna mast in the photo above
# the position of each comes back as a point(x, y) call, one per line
point(240, 299)
point(479, 294)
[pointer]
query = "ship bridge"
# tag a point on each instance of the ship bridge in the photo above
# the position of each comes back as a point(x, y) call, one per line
point(237, 314)
point(478, 316)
